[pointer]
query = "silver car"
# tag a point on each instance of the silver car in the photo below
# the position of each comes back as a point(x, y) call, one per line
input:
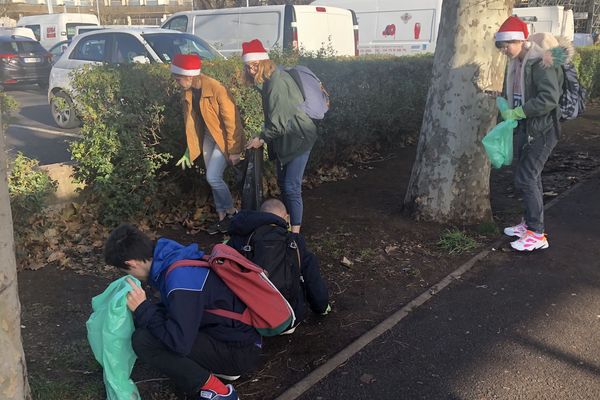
point(116, 46)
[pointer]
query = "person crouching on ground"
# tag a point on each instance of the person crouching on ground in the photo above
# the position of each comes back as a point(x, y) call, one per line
point(213, 128)
point(275, 248)
point(533, 88)
point(177, 336)
point(289, 132)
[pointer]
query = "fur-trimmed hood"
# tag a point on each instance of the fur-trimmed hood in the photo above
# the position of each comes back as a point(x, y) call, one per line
point(553, 50)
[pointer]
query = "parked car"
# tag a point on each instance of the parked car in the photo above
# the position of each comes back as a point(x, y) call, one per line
point(23, 60)
point(116, 46)
point(58, 49)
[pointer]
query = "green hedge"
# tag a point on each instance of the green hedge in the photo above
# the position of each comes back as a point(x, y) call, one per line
point(133, 130)
point(587, 61)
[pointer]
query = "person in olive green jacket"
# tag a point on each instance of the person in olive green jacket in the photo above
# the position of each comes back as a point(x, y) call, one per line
point(289, 132)
point(533, 86)
point(213, 129)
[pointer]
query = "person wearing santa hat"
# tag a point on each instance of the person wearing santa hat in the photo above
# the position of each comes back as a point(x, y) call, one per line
point(213, 129)
point(532, 87)
point(288, 131)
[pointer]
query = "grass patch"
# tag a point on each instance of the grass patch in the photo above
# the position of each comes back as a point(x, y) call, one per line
point(42, 389)
point(455, 241)
point(488, 229)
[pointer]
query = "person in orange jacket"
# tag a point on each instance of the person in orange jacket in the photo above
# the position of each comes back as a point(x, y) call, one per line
point(213, 128)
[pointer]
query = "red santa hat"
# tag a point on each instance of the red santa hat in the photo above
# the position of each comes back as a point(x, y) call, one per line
point(186, 64)
point(254, 51)
point(512, 29)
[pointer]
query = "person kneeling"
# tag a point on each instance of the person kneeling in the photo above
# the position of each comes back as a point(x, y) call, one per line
point(177, 336)
point(263, 237)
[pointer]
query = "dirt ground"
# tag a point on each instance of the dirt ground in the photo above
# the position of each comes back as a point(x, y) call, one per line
point(392, 260)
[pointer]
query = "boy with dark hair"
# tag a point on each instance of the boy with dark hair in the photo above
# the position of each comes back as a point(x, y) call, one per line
point(177, 336)
point(263, 237)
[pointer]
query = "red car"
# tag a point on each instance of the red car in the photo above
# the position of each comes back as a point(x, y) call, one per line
point(23, 60)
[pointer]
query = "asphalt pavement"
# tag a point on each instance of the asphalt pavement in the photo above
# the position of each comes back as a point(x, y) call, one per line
point(32, 130)
point(516, 326)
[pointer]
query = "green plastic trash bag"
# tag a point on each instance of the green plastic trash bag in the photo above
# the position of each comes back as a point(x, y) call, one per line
point(109, 332)
point(498, 143)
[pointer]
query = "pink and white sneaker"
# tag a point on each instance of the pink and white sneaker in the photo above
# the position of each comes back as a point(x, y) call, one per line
point(517, 230)
point(530, 241)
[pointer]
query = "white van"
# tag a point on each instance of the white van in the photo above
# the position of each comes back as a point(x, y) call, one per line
point(18, 31)
point(50, 29)
point(553, 19)
point(398, 27)
point(307, 28)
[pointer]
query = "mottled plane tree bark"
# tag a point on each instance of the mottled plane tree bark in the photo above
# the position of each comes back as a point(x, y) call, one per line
point(450, 177)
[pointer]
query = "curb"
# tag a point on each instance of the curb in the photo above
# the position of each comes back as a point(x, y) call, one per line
point(299, 388)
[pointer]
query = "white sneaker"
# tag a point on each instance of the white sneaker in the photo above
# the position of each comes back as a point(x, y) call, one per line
point(530, 241)
point(517, 230)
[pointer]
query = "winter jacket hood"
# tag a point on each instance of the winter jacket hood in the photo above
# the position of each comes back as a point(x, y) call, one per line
point(166, 252)
point(246, 222)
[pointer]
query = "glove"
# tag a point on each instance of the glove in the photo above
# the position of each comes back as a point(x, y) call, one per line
point(184, 161)
point(327, 310)
point(515, 114)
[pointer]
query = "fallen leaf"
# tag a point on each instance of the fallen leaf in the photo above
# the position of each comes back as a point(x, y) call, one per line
point(346, 262)
point(390, 249)
point(56, 256)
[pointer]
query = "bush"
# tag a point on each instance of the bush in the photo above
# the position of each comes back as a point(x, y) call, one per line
point(587, 61)
point(7, 106)
point(131, 126)
point(132, 122)
point(28, 188)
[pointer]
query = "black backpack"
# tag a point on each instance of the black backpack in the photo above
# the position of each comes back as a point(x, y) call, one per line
point(572, 99)
point(274, 249)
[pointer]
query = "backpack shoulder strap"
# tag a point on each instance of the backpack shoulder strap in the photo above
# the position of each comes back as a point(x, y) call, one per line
point(187, 263)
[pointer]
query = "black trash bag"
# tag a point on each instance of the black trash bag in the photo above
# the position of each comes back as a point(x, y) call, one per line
point(251, 182)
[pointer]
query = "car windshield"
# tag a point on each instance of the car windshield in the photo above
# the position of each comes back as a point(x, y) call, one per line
point(166, 45)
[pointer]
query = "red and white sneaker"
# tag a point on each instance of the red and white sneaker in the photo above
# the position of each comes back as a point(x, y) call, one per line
point(530, 241)
point(517, 230)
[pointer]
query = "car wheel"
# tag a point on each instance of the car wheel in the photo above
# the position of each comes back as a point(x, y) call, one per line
point(63, 111)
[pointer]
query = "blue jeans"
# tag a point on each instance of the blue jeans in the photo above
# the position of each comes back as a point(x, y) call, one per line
point(289, 179)
point(215, 163)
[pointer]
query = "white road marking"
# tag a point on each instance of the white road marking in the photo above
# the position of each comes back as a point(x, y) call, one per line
point(48, 131)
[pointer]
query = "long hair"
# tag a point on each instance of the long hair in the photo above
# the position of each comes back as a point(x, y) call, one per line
point(265, 69)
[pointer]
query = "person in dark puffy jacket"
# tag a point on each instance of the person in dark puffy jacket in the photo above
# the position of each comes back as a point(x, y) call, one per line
point(177, 336)
point(288, 131)
point(273, 213)
point(533, 86)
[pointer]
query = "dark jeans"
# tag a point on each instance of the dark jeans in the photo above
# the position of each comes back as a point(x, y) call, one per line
point(208, 356)
point(289, 179)
point(532, 154)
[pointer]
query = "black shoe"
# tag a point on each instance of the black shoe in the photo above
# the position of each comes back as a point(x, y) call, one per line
point(226, 222)
point(214, 228)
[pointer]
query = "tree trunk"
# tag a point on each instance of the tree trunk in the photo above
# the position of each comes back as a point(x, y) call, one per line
point(13, 371)
point(450, 177)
